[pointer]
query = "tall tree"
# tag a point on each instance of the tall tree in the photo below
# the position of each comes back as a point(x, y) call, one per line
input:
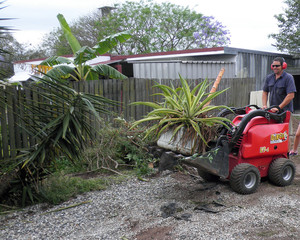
point(288, 38)
point(154, 27)
point(212, 34)
point(84, 29)
point(54, 43)
point(18, 51)
point(159, 27)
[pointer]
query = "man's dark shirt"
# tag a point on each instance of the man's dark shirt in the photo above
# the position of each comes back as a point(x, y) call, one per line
point(278, 89)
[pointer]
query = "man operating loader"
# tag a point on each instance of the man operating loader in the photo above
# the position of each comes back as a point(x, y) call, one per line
point(281, 87)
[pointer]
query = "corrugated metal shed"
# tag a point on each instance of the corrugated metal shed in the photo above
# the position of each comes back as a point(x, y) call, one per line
point(206, 63)
point(188, 69)
point(256, 64)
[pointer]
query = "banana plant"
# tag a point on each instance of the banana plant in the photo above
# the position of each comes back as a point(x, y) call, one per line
point(78, 68)
point(183, 107)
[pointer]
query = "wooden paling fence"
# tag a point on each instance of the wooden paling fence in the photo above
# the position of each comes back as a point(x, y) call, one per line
point(13, 133)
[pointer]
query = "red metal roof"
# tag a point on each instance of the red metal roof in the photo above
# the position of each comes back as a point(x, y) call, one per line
point(117, 58)
point(120, 57)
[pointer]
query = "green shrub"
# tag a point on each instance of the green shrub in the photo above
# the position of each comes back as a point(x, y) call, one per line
point(120, 148)
point(65, 165)
point(59, 188)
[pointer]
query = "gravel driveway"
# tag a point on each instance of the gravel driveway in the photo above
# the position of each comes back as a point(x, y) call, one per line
point(169, 206)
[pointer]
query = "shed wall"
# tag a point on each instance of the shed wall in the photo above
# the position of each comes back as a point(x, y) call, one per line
point(256, 66)
point(187, 69)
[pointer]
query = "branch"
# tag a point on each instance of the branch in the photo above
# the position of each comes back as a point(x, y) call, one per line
point(64, 208)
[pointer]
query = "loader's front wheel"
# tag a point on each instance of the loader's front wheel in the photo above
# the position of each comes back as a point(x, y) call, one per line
point(244, 178)
point(207, 176)
point(282, 172)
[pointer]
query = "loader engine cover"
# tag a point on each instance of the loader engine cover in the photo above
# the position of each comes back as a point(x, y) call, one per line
point(263, 138)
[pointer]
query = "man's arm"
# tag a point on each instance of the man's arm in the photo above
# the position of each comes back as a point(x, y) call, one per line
point(264, 99)
point(287, 100)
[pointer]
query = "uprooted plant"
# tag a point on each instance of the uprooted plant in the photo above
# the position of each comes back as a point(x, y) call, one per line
point(185, 108)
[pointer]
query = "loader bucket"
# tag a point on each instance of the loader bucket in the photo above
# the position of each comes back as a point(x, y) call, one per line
point(215, 161)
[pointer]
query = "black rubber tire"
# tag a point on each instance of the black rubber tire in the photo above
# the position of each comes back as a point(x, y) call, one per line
point(208, 177)
point(282, 172)
point(244, 178)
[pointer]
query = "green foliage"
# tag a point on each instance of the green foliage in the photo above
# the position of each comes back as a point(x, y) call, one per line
point(81, 71)
point(3, 30)
point(59, 188)
point(183, 107)
point(74, 44)
point(61, 125)
point(59, 120)
point(155, 27)
point(65, 165)
point(6, 68)
point(19, 51)
point(120, 148)
point(84, 29)
point(287, 40)
point(54, 43)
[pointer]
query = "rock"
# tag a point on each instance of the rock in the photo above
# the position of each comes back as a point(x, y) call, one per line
point(170, 209)
point(185, 217)
point(158, 152)
point(168, 161)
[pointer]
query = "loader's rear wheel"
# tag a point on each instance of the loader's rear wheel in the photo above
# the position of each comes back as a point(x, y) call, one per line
point(244, 178)
point(282, 172)
point(207, 176)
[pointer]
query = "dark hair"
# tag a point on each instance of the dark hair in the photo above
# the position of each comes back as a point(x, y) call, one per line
point(279, 59)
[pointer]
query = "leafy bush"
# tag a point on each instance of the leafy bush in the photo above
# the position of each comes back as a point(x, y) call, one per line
point(120, 148)
point(65, 165)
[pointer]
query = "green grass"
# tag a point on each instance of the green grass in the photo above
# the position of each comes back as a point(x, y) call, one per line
point(59, 187)
point(267, 234)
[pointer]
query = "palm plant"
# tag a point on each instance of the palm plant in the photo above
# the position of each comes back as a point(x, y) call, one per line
point(183, 108)
point(63, 123)
point(78, 68)
point(6, 68)
point(59, 120)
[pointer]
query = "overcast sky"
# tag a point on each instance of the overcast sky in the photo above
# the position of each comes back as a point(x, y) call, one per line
point(249, 22)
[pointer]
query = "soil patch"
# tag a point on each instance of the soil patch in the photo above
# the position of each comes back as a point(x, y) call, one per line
point(162, 233)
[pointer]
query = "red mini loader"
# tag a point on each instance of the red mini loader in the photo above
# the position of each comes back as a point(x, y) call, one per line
point(256, 146)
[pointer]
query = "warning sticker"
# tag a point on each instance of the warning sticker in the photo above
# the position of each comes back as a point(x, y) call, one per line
point(279, 137)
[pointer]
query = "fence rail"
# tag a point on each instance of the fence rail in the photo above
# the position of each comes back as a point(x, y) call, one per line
point(13, 136)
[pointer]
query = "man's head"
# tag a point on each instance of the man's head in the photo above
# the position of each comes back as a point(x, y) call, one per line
point(278, 64)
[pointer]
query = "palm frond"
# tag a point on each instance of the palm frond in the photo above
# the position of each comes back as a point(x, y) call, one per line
point(110, 42)
point(73, 42)
point(106, 70)
point(55, 60)
point(84, 54)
